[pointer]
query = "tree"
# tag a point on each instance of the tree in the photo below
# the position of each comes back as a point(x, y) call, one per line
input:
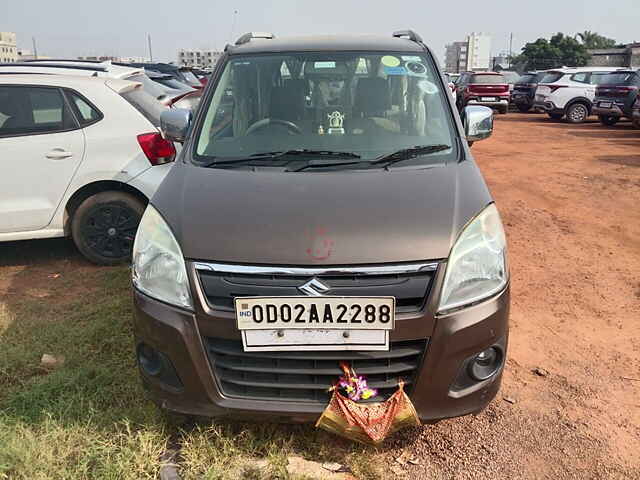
point(592, 40)
point(559, 50)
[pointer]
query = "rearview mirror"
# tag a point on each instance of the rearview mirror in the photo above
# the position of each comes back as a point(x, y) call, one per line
point(174, 124)
point(478, 123)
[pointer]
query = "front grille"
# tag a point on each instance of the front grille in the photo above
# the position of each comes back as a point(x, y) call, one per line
point(409, 289)
point(307, 376)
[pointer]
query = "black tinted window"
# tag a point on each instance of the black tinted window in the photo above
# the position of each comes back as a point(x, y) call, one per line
point(620, 78)
point(32, 110)
point(552, 77)
point(488, 79)
point(86, 113)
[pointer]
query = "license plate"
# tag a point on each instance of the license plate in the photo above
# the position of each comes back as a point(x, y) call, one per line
point(315, 323)
point(605, 104)
point(488, 99)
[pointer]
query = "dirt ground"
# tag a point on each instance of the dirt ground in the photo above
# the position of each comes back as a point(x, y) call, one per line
point(569, 196)
point(570, 402)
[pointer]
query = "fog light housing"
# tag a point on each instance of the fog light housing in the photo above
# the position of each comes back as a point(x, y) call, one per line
point(149, 360)
point(486, 363)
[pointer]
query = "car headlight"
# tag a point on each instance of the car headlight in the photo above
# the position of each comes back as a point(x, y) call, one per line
point(158, 265)
point(477, 266)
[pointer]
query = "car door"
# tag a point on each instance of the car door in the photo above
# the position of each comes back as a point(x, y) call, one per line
point(41, 147)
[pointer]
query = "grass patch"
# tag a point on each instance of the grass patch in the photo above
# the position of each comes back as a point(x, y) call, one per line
point(91, 419)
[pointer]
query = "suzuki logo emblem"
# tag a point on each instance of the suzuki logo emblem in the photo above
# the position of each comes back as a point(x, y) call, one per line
point(314, 288)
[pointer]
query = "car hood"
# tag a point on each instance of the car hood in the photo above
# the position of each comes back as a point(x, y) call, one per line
point(328, 218)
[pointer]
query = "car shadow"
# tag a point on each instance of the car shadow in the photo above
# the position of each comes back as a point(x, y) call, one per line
point(625, 160)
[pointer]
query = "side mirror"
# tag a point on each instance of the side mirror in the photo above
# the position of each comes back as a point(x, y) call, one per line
point(478, 123)
point(175, 123)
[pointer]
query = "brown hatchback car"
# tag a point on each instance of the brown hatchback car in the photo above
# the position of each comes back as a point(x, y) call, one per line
point(325, 207)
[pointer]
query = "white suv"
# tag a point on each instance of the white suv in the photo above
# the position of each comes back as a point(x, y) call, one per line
point(80, 157)
point(569, 92)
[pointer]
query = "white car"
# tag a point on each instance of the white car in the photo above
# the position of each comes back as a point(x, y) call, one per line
point(80, 157)
point(91, 69)
point(569, 92)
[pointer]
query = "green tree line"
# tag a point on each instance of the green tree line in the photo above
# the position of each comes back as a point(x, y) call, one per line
point(560, 50)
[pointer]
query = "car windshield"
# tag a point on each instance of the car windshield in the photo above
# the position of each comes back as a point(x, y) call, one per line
point(489, 79)
point(364, 104)
point(528, 78)
point(619, 78)
point(511, 77)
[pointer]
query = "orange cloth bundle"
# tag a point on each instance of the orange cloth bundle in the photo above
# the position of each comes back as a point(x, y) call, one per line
point(368, 423)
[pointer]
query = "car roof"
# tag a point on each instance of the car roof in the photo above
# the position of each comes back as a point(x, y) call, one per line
point(70, 81)
point(567, 70)
point(77, 67)
point(322, 43)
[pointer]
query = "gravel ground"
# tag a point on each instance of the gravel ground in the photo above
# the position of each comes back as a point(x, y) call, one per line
point(569, 197)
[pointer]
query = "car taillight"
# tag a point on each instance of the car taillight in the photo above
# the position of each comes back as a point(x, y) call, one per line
point(157, 149)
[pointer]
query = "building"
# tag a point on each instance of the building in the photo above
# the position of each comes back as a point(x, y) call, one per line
point(627, 56)
point(8, 48)
point(478, 52)
point(205, 59)
point(105, 58)
point(472, 54)
point(456, 57)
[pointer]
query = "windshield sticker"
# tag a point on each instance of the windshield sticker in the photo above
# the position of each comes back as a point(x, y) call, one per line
point(324, 64)
point(427, 87)
point(390, 61)
point(417, 69)
point(395, 70)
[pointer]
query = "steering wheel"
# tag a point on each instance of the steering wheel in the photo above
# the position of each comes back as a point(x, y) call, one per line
point(265, 122)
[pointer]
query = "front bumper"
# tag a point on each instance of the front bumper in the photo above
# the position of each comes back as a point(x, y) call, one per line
point(181, 336)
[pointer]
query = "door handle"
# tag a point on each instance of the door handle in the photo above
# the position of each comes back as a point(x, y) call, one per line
point(58, 154)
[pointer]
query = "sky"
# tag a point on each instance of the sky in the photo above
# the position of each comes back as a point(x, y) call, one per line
point(70, 28)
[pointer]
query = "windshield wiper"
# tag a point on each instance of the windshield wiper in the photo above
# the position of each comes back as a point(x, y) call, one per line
point(407, 153)
point(325, 164)
point(275, 155)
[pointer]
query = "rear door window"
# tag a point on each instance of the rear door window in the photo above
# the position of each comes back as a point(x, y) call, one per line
point(552, 77)
point(488, 79)
point(33, 110)
point(620, 78)
point(148, 106)
point(582, 77)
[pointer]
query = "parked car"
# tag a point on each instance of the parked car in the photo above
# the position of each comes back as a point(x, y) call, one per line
point(88, 68)
point(171, 89)
point(635, 113)
point(511, 78)
point(483, 88)
point(86, 156)
point(181, 74)
point(524, 90)
point(615, 96)
point(452, 86)
point(569, 92)
point(298, 231)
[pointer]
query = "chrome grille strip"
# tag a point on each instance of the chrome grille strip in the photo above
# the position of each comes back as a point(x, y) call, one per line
point(303, 271)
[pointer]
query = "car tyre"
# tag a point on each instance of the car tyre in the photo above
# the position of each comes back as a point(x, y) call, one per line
point(555, 116)
point(635, 123)
point(104, 226)
point(523, 107)
point(608, 120)
point(577, 113)
point(503, 110)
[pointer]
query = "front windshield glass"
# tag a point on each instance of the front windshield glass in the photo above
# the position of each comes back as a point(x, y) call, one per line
point(368, 104)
